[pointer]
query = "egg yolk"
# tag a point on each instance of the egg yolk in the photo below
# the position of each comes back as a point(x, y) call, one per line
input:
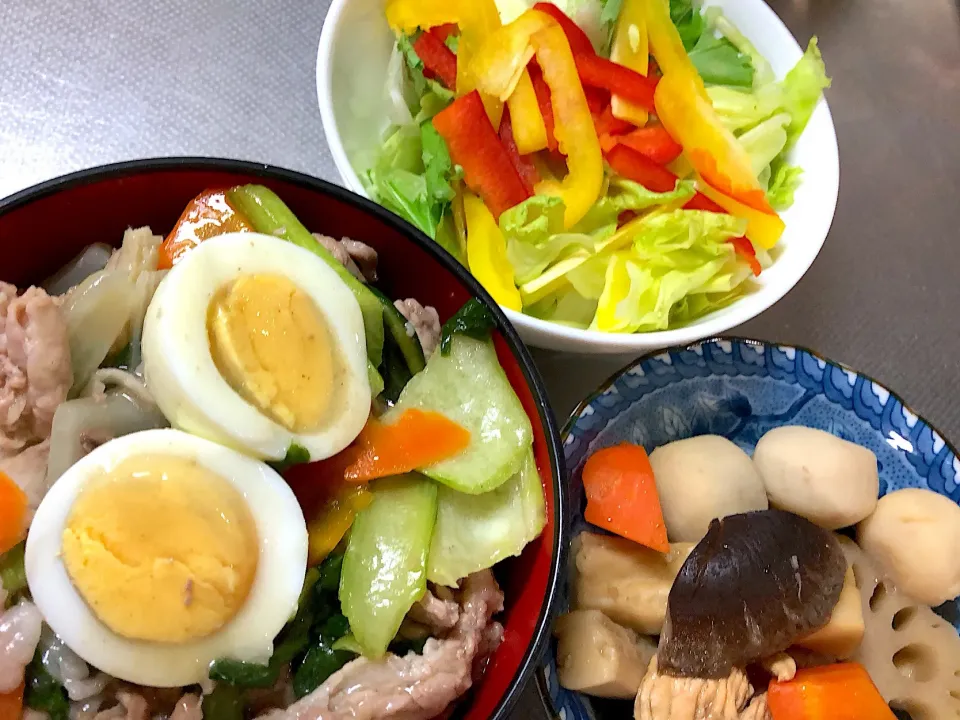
point(161, 549)
point(271, 343)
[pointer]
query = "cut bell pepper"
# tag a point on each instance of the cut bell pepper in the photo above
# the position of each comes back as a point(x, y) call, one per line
point(542, 92)
point(333, 521)
point(487, 254)
point(579, 42)
point(438, 60)
point(209, 214)
point(830, 692)
point(498, 67)
point(599, 72)
point(607, 124)
point(597, 99)
point(13, 513)
point(702, 202)
point(763, 228)
point(654, 142)
point(521, 162)
point(475, 146)
point(744, 248)
point(477, 19)
point(666, 45)
point(631, 48)
point(442, 32)
point(526, 119)
point(712, 149)
point(638, 167)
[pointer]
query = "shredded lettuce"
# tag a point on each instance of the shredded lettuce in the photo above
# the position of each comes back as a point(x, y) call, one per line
point(784, 181)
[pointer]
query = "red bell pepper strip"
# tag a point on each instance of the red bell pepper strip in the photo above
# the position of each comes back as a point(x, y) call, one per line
point(654, 142)
point(597, 99)
point(437, 58)
point(542, 90)
point(607, 124)
point(702, 202)
point(599, 72)
point(579, 42)
point(744, 248)
point(523, 164)
point(442, 32)
point(638, 167)
point(476, 147)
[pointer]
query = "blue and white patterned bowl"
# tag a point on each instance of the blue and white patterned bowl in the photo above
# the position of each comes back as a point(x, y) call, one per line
point(740, 389)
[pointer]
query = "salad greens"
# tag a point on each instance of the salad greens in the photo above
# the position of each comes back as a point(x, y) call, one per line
point(43, 692)
point(473, 320)
point(13, 574)
point(615, 270)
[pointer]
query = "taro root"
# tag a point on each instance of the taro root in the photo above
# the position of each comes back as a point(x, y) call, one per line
point(754, 584)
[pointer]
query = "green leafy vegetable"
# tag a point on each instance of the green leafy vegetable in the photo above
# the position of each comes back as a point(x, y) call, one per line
point(384, 567)
point(766, 141)
point(243, 674)
point(474, 319)
point(474, 532)
point(319, 664)
point(688, 21)
point(296, 455)
point(719, 62)
point(717, 21)
point(500, 431)
point(13, 575)
point(334, 628)
point(402, 353)
point(43, 692)
point(623, 195)
point(437, 164)
point(330, 572)
point(802, 88)
point(348, 643)
point(373, 375)
point(422, 85)
point(270, 216)
point(611, 10)
point(784, 181)
point(224, 703)
point(453, 42)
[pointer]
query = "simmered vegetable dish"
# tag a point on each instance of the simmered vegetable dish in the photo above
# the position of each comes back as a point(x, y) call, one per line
point(237, 480)
point(776, 587)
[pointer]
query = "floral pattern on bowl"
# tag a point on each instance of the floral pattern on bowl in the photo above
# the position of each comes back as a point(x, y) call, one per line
point(740, 389)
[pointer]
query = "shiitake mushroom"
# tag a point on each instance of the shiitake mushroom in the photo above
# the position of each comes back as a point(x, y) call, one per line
point(754, 584)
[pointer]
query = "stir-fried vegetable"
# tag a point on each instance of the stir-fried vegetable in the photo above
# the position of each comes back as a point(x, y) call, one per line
point(11, 703)
point(473, 320)
point(333, 521)
point(13, 512)
point(43, 692)
point(13, 575)
point(384, 568)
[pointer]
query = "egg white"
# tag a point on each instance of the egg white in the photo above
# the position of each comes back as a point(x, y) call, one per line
point(281, 566)
point(180, 370)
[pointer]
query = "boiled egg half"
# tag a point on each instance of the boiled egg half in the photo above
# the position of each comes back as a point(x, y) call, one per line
point(258, 344)
point(160, 552)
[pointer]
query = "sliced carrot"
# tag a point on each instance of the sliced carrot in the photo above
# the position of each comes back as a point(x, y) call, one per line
point(13, 513)
point(209, 214)
point(416, 439)
point(830, 692)
point(622, 495)
point(11, 704)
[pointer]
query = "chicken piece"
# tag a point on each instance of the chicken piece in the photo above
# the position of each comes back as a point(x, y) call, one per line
point(757, 709)
point(188, 708)
point(28, 469)
point(355, 256)
point(664, 697)
point(438, 615)
point(19, 635)
point(424, 321)
point(415, 687)
point(35, 372)
point(627, 582)
point(598, 657)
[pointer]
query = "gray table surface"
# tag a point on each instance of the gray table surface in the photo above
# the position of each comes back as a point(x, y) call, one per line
point(94, 81)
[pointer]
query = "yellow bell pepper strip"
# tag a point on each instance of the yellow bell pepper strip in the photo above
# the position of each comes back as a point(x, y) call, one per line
point(529, 131)
point(631, 48)
point(666, 44)
point(711, 148)
point(498, 67)
point(763, 228)
point(336, 516)
point(487, 254)
point(477, 19)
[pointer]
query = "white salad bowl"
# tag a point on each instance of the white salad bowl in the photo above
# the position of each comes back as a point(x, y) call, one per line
point(355, 48)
